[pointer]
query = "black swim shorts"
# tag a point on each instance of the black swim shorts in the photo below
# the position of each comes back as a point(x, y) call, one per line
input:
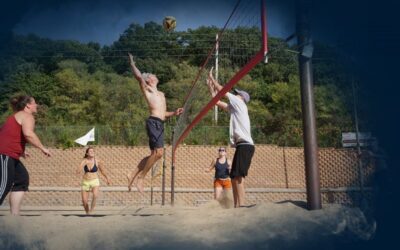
point(155, 131)
point(242, 160)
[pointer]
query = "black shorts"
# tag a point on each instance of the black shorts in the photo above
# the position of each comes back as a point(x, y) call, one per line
point(13, 176)
point(242, 160)
point(155, 131)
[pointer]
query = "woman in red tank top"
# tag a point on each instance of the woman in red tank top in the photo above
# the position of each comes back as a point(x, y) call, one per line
point(14, 133)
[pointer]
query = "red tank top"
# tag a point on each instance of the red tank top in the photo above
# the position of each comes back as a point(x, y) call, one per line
point(12, 140)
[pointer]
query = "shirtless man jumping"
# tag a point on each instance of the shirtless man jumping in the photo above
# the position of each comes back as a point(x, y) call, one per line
point(154, 124)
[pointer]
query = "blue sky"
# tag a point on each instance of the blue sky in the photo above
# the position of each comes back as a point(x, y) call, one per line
point(103, 21)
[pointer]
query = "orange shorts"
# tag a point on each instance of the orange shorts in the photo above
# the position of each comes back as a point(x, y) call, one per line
point(225, 184)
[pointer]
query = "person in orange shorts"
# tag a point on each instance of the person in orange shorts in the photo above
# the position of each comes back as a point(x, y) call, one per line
point(222, 168)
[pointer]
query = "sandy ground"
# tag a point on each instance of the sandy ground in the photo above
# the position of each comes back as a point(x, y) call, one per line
point(211, 226)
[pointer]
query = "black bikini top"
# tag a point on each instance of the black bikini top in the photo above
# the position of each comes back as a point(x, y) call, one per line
point(92, 170)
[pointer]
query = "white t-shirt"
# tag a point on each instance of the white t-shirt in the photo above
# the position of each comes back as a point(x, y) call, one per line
point(239, 125)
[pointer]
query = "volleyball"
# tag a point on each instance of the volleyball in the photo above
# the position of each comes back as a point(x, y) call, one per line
point(169, 23)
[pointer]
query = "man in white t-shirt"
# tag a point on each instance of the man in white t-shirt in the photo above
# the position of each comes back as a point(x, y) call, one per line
point(239, 136)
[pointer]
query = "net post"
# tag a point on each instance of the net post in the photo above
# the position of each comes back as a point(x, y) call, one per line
point(173, 173)
point(163, 180)
point(264, 32)
point(308, 108)
point(151, 186)
point(216, 75)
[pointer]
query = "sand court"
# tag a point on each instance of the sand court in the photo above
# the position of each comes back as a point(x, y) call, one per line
point(284, 225)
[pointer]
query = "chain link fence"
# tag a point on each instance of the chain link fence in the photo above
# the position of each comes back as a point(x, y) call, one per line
point(64, 136)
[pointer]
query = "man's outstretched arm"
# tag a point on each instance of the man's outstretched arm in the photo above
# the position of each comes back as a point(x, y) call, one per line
point(211, 88)
point(172, 113)
point(217, 86)
point(214, 87)
point(136, 72)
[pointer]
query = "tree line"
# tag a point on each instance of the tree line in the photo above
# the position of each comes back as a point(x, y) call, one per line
point(79, 85)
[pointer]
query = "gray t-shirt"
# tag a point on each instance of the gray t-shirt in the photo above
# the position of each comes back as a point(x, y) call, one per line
point(239, 125)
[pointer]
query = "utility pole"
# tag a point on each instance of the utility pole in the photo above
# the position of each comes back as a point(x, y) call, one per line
point(307, 105)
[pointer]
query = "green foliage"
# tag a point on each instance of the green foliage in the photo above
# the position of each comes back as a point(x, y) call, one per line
point(84, 85)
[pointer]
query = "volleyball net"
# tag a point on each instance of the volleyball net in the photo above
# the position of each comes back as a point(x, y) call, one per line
point(239, 46)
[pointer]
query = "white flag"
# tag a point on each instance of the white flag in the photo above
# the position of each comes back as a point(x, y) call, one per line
point(86, 138)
